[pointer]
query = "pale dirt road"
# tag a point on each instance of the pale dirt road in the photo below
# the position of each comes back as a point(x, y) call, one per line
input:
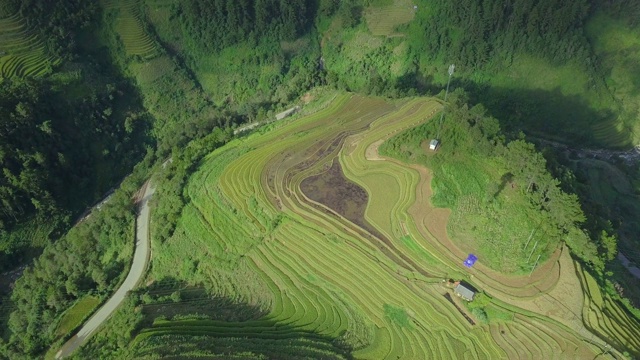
point(138, 268)
point(634, 270)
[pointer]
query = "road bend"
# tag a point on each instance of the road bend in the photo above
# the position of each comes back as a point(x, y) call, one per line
point(138, 268)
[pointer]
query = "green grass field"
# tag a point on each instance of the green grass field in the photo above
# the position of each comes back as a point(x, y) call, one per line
point(383, 20)
point(251, 235)
point(74, 316)
point(22, 52)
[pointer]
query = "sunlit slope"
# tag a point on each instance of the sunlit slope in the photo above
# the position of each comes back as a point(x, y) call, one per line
point(254, 236)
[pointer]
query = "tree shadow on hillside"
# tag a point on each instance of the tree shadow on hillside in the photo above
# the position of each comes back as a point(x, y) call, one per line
point(551, 114)
point(170, 298)
point(204, 324)
point(505, 179)
point(567, 118)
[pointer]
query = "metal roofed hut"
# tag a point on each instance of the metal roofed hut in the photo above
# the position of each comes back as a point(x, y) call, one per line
point(433, 145)
point(464, 292)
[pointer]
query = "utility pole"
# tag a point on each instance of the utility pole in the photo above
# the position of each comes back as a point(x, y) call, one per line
point(532, 250)
point(451, 68)
point(534, 265)
point(530, 237)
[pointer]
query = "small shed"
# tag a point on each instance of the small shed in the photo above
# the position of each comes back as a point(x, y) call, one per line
point(433, 145)
point(464, 292)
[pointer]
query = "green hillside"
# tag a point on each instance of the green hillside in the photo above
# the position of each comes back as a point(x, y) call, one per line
point(336, 232)
point(365, 282)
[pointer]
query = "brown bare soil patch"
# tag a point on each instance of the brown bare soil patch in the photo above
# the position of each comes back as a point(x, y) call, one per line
point(372, 151)
point(307, 97)
point(332, 189)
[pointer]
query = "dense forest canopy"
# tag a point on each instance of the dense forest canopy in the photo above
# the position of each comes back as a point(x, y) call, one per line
point(475, 33)
point(629, 11)
point(48, 141)
point(59, 22)
point(56, 151)
point(214, 25)
point(65, 139)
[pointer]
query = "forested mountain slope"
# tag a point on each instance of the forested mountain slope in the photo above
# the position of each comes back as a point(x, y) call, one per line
point(532, 63)
point(66, 137)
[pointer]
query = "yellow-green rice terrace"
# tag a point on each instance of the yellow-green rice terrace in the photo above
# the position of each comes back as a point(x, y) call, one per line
point(338, 253)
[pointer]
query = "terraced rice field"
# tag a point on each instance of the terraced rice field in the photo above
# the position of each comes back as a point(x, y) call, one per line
point(260, 229)
point(22, 52)
point(130, 27)
point(607, 318)
point(383, 20)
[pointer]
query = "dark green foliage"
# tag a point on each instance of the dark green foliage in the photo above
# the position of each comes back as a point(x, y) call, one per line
point(480, 315)
point(57, 153)
point(113, 341)
point(474, 33)
point(214, 25)
point(629, 11)
point(328, 7)
point(25, 153)
point(89, 259)
point(170, 186)
point(260, 68)
point(58, 21)
point(350, 12)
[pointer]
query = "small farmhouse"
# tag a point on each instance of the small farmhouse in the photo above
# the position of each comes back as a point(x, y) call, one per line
point(464, 292)
point(433, 145)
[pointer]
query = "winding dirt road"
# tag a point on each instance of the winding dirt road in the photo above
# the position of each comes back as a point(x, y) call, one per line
point(138, 268)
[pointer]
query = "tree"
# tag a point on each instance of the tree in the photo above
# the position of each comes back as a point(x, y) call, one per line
point(609, 244)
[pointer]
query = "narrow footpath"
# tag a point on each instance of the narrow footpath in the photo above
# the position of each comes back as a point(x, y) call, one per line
point(138, 268)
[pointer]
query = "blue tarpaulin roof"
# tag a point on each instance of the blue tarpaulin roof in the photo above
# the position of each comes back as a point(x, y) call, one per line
point(471, 259)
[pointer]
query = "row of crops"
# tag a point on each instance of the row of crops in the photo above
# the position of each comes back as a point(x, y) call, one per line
point(253, 235)
point(608, 318)
point(22, 51)
point(131, 29)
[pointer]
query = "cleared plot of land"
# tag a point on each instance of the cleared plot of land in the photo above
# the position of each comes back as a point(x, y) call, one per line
point(339, 194)
point(22, 52)
point(383, 20)
point(329, 271)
